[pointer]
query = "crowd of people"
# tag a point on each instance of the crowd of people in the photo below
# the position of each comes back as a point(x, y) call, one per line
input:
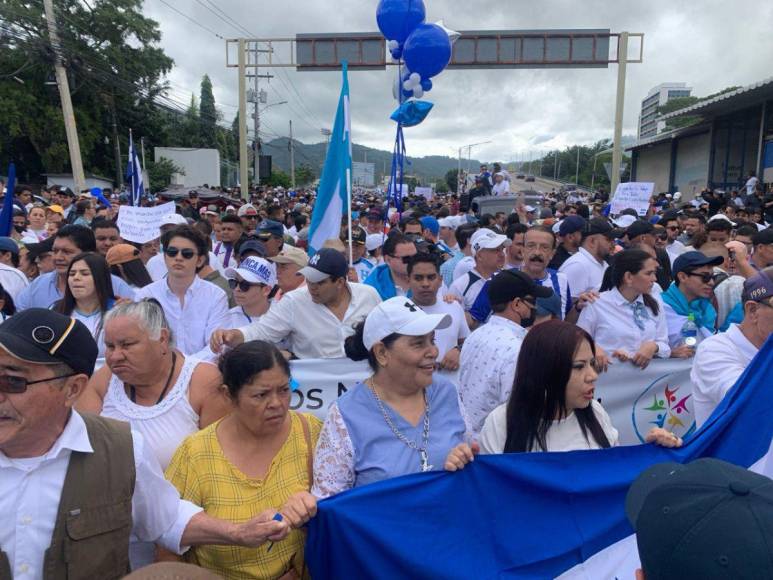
point(148, 385)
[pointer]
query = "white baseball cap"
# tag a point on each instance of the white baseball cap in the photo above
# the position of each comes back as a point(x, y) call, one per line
point(245, 208)
point(624, 221)
point(173, 219)
point(400, 315)
point(723, 217)
point(374, 241)
point(254, 270)
point(486, 239)
point(448, 222)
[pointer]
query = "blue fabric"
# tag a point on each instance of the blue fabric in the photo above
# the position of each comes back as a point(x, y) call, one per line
point(447, 268)
point(42, 292)
point(701, 308)
point(523, 515)
point(379, 454)
point(134, 175)
point(381, 279)
point(481, 308)
point(6, 215)
point(734, 317)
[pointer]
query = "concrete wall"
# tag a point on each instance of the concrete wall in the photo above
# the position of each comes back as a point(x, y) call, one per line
point(692, 164)
point(654, 164)
point(202, 166)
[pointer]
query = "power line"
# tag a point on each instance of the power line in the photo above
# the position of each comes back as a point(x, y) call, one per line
point(196, 22)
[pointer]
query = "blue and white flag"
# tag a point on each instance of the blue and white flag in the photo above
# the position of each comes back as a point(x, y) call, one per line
point(6, 215)
point(134, 175)
point(526, 515)
point(335, 185)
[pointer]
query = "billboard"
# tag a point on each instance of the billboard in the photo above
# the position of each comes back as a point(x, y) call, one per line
point(363, 174)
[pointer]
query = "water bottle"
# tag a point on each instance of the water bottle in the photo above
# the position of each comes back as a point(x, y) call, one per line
point(690, 332)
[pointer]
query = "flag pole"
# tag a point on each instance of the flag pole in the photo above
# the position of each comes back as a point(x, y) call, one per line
point(131, 157)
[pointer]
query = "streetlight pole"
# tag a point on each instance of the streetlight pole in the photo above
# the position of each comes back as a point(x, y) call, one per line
point(577, 170)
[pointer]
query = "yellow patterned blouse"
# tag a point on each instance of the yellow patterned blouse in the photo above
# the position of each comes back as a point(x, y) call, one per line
point(202, 474)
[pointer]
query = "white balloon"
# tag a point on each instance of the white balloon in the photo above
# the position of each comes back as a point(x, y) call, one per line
point(415, 78)
point(453, 35)
point(407, 85)
point(393, 44)
point(418, 92)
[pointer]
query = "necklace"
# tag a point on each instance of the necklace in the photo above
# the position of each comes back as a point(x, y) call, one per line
point(133, 391)
point(423, 456)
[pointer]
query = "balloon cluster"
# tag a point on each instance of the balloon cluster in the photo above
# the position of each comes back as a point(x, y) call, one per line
point(424, 48)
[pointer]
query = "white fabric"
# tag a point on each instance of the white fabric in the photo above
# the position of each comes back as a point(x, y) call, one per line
point(220, 251)
point(163, 426)
point(30, 490)
point(204, 310)
point(465, 290)
point(675, 322)
point(156, 266)
point(12, 280)
point(501, 188)
point(675, 249)
point(728, 294)
point(463, 266)
point(334, 457)
point(751, 185)
point(312, 329)
point(487, 367)
point(447, 338)
point(610, 321)
point(563, 435)
point(583, 271)
point(719, 361)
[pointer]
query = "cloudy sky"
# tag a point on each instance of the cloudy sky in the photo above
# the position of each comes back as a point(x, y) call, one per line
point(710, 44)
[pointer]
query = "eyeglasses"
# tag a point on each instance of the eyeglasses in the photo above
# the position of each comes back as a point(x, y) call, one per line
point(17, 385)
point(529, 302)
point(672, 228)
point(705, 277)
point(249, 217)
point(242, 285)
point(404, 259)
point(172, 252)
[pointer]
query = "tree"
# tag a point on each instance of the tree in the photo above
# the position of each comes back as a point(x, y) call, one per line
point(304, 175)
point(452, 179)
point(278, 179)
point(208, 115)
point(441, 186)
point(161, 172)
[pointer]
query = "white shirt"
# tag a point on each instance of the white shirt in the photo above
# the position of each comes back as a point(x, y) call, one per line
point(156, 266)
point(675, 249)
point(465, 288)
point(563, 435)
point(501, 188)
point(719, 361)
point(204, 310)
point(13, 280)
point(220, 251)
point(583, 271)
point(487, 367)
point(30, 490)
point(463, 266)
point(312, 329)
point(751, 185)
point(675, 322)
point(610, 321)
point(448, 338)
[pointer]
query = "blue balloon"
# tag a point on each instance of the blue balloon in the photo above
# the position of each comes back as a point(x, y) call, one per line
point(427, 50)
point(411, 113)
point(426, 84)
point(397, 53)
point(398, 18)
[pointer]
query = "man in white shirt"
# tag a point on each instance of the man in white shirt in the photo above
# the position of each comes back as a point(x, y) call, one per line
point(539, 247)
point(230, 231)
point(315, 319)
point(674, 247)
point(488, 250)
point(12, 279)
point(585, 269)
point(751, 183)
point(721, 359)
point(501, 185)
point(490, 354)
point(61, 472)
point(193, 307)
point(425, 282)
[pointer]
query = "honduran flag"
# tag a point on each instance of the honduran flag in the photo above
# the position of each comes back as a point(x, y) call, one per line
point(526, 515)
point(335, 185)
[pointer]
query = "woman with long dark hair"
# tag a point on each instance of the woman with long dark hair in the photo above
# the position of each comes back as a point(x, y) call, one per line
point(88, 294)
point(627, 320)
point(7, 307)
point(552, 405)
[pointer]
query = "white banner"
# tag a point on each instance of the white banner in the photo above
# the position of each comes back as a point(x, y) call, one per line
point(426, 192)
point(632, 195)
point(635, 399)
point(141, 224)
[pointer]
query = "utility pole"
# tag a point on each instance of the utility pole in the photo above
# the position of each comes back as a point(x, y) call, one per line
point(64, 95)
point(256, 159)
point(617, 153)
point(292, 156)
point(243, 173)
point(577, 170)
point(116, 144)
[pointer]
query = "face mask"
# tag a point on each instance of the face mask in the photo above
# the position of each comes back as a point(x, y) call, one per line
point(19, 229)
point(527, 322)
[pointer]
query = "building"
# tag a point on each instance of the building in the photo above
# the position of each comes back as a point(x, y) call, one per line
point(650, 123)
point(67, 180)
point(733, 137)
point(363, 174)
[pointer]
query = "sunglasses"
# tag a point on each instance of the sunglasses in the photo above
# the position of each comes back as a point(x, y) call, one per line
point(242, 285)
point(172, 252)
point(663, 237)
point(706, 277)
point(672, 228)
point(249, 217)
point(404, 259)
point(17, 385)
point(529, 302)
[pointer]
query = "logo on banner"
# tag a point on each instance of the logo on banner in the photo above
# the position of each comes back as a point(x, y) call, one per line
point(662, 405)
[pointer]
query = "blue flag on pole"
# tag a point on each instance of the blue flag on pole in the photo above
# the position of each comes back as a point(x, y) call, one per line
point(6, 215)
point(335, 185)
point(134, 175)
point(526, 515)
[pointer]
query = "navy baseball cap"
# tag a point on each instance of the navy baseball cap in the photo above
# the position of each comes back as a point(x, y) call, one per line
point(42, 336)
point(251, 245)
point(326, 263)
point(758, 288)
point(694, 259)
point(597, 226)
point(268, 228)
point(511, 284)
point(8, 245)
point(571, 224)
point(639, 228)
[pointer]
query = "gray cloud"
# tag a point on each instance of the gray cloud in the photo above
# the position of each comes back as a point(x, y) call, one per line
point(709, 44)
